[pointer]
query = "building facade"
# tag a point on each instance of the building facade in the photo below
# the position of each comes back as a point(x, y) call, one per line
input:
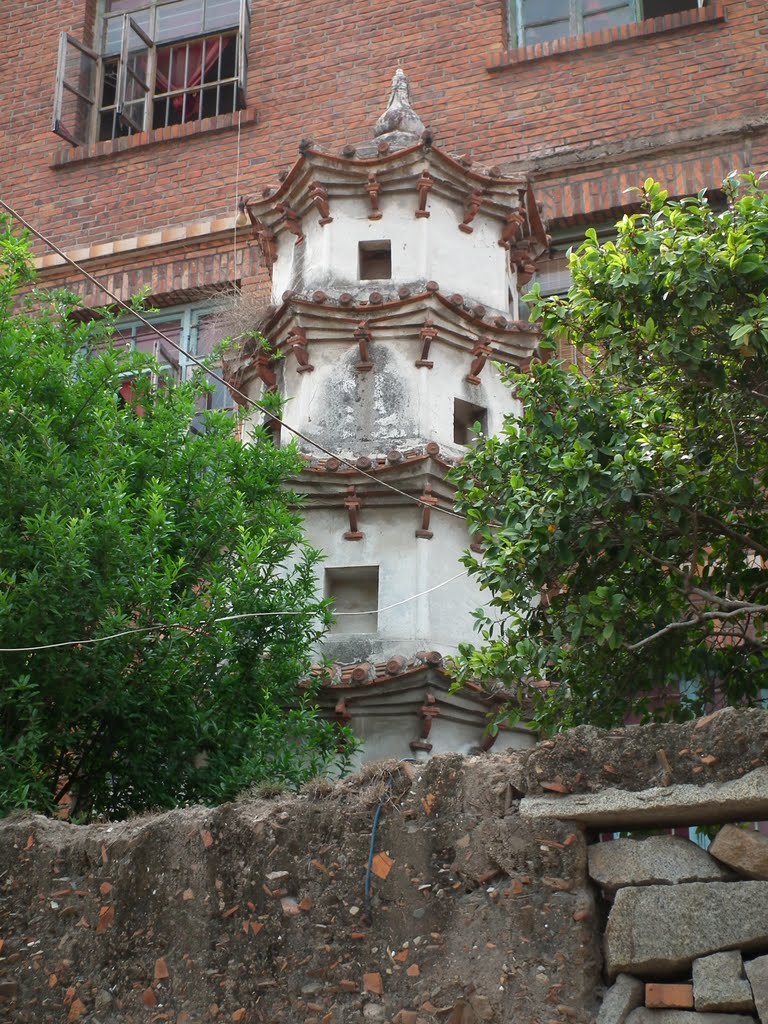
point(220, 151)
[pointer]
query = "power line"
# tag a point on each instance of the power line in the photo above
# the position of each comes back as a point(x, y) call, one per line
point(220, 618)
point(217, 377)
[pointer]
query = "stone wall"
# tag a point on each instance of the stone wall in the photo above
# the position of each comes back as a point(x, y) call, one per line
point(478, 906)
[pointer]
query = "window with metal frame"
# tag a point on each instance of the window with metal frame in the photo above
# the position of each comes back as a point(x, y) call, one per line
point(193, 328)
point(157, 63)
point(539, 21)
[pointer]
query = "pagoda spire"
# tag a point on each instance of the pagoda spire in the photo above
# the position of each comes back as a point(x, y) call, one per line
point(399, 123)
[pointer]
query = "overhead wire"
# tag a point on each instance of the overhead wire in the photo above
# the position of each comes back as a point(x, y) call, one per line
point(247, 400)
point(220, 618)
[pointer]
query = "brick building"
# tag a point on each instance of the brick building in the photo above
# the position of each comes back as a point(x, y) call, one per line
point(166, 112)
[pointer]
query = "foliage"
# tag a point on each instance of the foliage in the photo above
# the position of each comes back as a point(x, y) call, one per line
point(625, 514)
point(117, 516)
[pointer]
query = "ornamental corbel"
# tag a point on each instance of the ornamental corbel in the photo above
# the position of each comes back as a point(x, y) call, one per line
point(296, 340)
point(363, 338)
point(264, 371)
point(424, 186)
point(429, 711)
point(373, 188)
point(480, 353)
point(473, 203)
point(292, 221)
point(513, 227)
point(353, 504)
point(428, 502)
point(267, 242)
point(427, 335)
point(319, 196)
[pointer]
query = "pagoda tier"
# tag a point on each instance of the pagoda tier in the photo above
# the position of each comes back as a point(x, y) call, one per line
point(474, 233)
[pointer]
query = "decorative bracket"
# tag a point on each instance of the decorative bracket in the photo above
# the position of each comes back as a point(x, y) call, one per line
point(512, 227)
point(373, 188)
point(424, 186)
point(471, 206)
point(292, 221)
point(341, 713)
point(363, 338)
point(520, 259)
point(267, 242)
point(264, 371)
point(427, 335)
point(296, 339)
point(480, 353)
point(319, 196)
point(428, 711)
point(353, 504)
point(428, 502)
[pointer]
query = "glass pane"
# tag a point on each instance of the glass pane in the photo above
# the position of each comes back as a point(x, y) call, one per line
point(598, 6)
point(221, 14)
point(657, 8)
point(618, 16)
point(113, 28)
point(179, 20)
point(543, 33)
point(144, 340)
point(75, 95)
point(124, 5)
point(536, 11)
point(207, 336)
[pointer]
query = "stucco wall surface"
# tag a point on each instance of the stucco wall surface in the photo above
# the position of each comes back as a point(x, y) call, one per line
point(257, 911)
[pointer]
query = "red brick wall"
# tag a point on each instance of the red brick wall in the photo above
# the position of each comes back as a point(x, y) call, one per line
point(687, 104)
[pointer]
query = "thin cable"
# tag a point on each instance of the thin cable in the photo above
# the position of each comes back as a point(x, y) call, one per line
point(237, 199)
point(217, 377)
point(220, 618)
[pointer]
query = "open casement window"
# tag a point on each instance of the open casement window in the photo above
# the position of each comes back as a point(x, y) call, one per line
point(136, 69)
point(77, 80)
point(538, 21)
point(158, 63)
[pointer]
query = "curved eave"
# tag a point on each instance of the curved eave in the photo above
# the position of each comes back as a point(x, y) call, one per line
point(395, 171)
point(513, 342)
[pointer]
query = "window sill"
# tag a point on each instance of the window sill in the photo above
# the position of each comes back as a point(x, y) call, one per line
point(127, 143)
point(714, 12)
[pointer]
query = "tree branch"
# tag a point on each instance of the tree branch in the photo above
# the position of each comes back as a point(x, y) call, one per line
point(671, 627)
point(743, 538)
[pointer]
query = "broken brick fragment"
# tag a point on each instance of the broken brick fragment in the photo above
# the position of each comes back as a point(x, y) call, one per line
point(382, 865)
point(161, 970)
point(106, 919)
point(76, 1010)
point(373, 983)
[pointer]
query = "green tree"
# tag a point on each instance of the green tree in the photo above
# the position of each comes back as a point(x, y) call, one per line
point(117, 516)
point(625, 514)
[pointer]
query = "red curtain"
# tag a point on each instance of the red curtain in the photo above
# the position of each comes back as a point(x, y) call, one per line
point(171, 65)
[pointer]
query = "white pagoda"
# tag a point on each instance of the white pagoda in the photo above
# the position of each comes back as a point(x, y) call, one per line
point(395, 276)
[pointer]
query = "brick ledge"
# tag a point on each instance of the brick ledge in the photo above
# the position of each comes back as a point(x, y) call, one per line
point(715, 12)
point(127, 143)
point(215, 227)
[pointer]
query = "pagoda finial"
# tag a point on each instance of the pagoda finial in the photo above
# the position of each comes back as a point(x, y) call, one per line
point(399, 119)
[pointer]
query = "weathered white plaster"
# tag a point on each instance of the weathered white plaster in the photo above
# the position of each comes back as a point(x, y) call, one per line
point(431, 248)
point(408, 565)
point(394, 405)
